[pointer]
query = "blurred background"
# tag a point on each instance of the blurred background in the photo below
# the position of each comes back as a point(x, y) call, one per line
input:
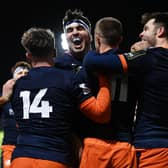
point(15, 18)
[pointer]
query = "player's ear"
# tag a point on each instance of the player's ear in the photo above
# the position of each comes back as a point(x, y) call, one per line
point(161, 31)
point(28, 55)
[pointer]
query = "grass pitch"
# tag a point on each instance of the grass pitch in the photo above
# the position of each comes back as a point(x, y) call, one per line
point(1, 137)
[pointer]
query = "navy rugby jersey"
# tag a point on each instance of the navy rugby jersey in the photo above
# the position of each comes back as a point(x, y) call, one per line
point(152, 121)
point(82, 125)
point(8, 125)
point(71, 64)
point(67, 61)
point(151, 69)
point(121, 124)
point(44, 103)
point(123, 108)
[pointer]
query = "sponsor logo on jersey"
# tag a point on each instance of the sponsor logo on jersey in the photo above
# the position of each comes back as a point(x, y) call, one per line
point(133, 55)
point(85, 89)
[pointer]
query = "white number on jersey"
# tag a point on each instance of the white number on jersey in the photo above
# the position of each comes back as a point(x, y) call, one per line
point(119, 91)
point(28, 108)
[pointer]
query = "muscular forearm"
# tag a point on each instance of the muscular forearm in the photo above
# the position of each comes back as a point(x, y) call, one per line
point(99, 109)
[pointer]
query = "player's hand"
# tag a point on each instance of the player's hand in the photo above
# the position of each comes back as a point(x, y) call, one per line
point(7, 88)
point(140, 45)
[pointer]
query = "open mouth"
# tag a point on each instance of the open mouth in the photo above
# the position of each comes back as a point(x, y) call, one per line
point(77, 41)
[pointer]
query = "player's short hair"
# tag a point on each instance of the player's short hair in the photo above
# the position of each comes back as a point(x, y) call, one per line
point(76, 16)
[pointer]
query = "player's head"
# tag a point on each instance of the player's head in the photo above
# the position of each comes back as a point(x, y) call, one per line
point(155, 27)
point(77, 29)
point(21, 68)
point(78, 17)
point(39, 42)
point(109, 30)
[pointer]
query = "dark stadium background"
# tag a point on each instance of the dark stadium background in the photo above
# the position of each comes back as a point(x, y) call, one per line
point(15, 18)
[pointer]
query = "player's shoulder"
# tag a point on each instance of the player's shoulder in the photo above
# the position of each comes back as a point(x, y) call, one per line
point(135, 54)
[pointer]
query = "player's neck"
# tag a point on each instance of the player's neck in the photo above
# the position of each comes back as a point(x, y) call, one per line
point(107, 48)
point(42, 64)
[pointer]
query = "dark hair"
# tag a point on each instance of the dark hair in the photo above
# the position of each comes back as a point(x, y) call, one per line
point(20, 64)
point(110, 29)
point(38, 41)
point(76, 14)
point(160, 18)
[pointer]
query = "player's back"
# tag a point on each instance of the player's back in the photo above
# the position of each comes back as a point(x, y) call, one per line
point(43, 110)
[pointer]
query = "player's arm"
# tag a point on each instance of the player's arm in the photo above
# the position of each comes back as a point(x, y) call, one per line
point(98, 108)
point(7, 91)
point(117, 63)
point(3, 100)
point(94, 61)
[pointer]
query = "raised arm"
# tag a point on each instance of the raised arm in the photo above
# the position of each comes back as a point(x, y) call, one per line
point(7, 91)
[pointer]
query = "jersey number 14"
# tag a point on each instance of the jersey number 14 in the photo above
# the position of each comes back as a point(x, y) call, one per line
point(38, 105)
